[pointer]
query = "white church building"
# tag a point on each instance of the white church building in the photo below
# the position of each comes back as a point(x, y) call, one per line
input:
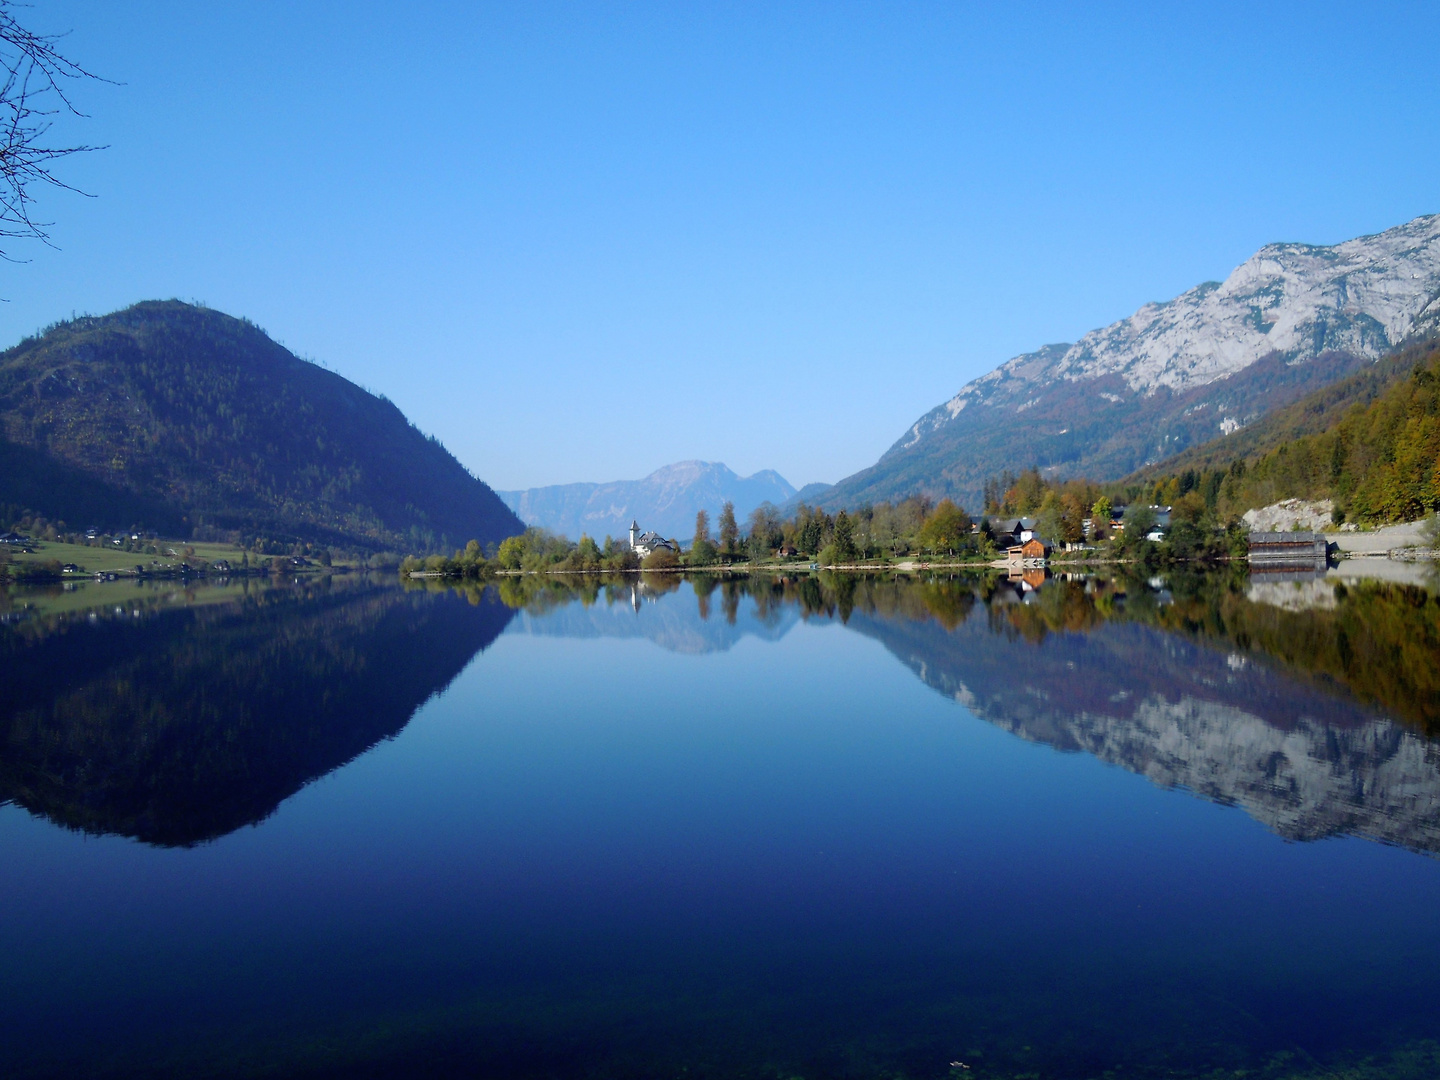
point(644, 543)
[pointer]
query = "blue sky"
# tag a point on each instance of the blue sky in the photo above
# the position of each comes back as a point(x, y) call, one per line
point(578, 242)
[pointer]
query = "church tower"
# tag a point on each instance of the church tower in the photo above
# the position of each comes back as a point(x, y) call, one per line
point(634, 534)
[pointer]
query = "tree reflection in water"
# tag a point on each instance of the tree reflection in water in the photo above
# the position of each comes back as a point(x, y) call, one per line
point(1315, 716)
point(182, 726)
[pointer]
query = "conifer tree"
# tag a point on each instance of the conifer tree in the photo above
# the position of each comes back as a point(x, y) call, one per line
point(844, 542)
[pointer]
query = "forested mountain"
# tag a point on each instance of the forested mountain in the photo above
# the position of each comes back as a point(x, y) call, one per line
point(665, 501)
point(1312, 414)
point(1371, 443)
point(186, 420)
point(1290, 320)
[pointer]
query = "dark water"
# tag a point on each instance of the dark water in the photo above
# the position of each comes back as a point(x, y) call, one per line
point(1173, 827)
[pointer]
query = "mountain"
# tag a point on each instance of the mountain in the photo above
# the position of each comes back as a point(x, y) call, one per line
point(188, 421)
point(665, 501)
point(1370, 444)
point(1312, 414)
point(810, 494)
point(1289, 320)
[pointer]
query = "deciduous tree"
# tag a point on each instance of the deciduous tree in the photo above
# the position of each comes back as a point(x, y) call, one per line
point(729, 530)
point(36, 86)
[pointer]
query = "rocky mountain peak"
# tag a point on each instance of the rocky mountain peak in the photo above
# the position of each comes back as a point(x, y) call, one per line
point(1291, 318)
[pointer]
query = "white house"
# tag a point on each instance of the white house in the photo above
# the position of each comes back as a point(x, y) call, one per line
point(644, 543)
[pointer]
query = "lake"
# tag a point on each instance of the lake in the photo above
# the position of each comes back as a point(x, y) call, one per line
point(1158, 825)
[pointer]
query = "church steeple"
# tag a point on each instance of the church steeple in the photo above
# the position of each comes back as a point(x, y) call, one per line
point(634, 534)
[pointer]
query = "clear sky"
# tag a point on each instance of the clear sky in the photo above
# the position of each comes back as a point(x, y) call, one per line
point(578, 242)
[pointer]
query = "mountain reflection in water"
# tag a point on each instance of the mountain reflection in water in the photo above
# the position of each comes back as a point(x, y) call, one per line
point(178, 726)
point(1309, 704)
point(759, 849)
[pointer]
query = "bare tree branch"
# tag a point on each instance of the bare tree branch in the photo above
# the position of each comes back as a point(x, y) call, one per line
point(36, 78)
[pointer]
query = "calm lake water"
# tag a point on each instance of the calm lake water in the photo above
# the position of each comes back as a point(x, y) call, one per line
point(1164, 826)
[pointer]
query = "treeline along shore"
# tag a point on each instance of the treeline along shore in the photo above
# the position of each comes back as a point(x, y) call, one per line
point(1370, 445)
point(1076, 516)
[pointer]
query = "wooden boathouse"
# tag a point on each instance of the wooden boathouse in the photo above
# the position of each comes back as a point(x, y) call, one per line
point(1287, 548)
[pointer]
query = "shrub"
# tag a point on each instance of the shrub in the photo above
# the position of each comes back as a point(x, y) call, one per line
point(661, 559)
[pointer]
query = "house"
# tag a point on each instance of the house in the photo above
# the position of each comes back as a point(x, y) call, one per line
point(221, 566)
point(13, 538)
point(1032, 554)
point(1010, 531)
point(788, 551)
point(1160, 513)
point(644, 543)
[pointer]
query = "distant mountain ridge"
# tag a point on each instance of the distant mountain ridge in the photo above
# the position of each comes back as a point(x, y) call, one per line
point(1289, 320)
point(175, 417)
point(665, 501)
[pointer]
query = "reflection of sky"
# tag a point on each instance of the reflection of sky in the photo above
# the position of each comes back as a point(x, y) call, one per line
point(790, 835)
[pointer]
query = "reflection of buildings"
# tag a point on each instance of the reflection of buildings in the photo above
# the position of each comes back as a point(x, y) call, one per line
point(1026, 581)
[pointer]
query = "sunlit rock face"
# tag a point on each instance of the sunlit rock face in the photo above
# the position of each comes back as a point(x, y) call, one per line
point(1288, 320)
point(1305, 760)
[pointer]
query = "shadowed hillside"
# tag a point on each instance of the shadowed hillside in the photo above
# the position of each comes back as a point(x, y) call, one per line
point(179, 418)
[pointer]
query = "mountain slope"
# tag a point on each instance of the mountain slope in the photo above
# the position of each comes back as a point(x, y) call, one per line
point(1291, 319)
point(1378, 458)
point(1311, 415)
point(665, 501)
point(181, 418)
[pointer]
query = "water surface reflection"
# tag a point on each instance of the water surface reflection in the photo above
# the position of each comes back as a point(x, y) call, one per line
point(711, 827)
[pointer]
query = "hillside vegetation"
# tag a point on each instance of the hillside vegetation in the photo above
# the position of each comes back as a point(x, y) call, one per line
point(1371, 443)
point(185, 420)
point(1312, 414)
